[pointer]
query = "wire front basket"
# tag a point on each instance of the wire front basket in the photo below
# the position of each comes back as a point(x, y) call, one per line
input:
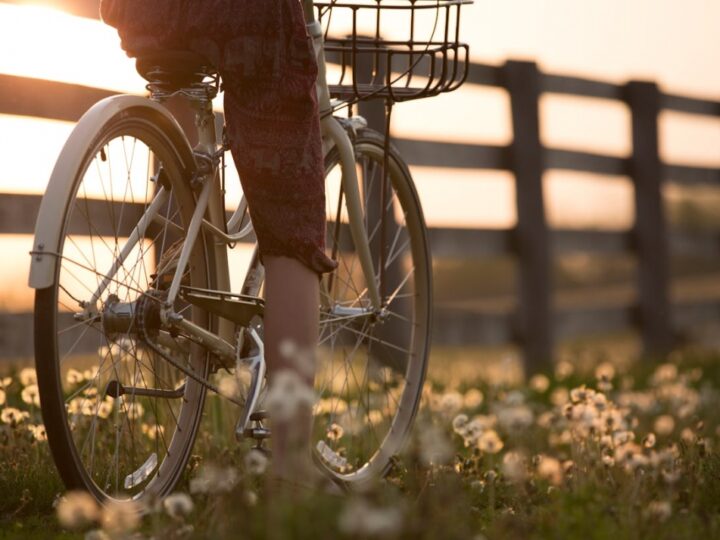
point(393, 49)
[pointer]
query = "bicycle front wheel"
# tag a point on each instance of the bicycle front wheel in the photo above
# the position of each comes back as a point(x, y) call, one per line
point(371, 365)
point(120, 419)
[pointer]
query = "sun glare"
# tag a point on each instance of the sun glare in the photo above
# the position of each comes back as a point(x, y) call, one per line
point(49, 44)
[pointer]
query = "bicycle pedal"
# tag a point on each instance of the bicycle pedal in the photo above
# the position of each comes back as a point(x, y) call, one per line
point(257, 433)
point(259, 416)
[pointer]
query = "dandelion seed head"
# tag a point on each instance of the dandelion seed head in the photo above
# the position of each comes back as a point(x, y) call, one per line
point(5, 382)
point(251, 498)
point(659, 510)
point(687, 435)
point(120, 517)
point(77, 509)
point(671, 476)
point(514, 467)
point(28, 376)
point(649, 440)
point(559, 396)
point(515, 418)
point(539, 383)
point(153, 431)
point(13, 417)
point(3, 397)
point(178, 505)
point(335, 432)
point(31, 395)
point(459, 423)
point(38, 432)
point(361, 518)
point(550, 469)
point(450, 403)
point(256, 462)
point(288, 394)
point(213, 479)
point(581, 393)
point(490, 442)
point(97, 534)
point(229, 386)
point(664, 373)
point(473, 398)
point(563, 370)
point(435, 449)
point(73, 377)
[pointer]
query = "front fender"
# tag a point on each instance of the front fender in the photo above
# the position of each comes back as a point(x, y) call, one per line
point(62, 185)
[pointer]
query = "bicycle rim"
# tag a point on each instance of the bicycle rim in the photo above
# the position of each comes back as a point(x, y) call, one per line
point(371, 368)
point(120, 444)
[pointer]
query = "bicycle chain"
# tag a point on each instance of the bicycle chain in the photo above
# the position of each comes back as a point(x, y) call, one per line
point(145, 336)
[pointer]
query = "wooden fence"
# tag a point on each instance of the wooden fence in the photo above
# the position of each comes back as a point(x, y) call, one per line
point(535, 326)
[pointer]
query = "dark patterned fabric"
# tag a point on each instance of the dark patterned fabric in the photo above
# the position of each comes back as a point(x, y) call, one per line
point(267, 65)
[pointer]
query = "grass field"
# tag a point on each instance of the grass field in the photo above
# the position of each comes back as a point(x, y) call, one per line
point(611, 451)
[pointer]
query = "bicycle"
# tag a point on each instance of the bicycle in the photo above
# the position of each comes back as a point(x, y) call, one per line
point(133, 308)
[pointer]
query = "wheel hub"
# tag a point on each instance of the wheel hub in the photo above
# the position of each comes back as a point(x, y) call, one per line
point(129, 317)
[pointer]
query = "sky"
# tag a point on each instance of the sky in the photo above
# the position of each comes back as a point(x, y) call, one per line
point(674, 43)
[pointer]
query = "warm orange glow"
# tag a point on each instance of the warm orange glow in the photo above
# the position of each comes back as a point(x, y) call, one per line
point(49, 44)
point(581, 200)
point(33, 145)
point(591, 125)
point(466, 198)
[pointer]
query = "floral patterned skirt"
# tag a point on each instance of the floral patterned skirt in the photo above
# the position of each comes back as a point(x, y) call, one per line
point(268, 69)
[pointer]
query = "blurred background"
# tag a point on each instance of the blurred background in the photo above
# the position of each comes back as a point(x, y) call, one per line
point(504, 293)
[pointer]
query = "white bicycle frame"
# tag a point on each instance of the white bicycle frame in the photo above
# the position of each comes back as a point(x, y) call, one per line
point(209, 214)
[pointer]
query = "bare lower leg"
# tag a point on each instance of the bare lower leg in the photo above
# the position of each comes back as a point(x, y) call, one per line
point(291, 317)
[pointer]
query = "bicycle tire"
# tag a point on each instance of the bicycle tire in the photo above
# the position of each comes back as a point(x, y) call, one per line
point(347, 457)
point(129, 446)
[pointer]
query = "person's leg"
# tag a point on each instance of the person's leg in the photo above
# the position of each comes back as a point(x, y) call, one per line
point(291, 322)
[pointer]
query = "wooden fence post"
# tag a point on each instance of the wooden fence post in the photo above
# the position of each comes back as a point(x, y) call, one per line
point(649, 230)
point(534, 318)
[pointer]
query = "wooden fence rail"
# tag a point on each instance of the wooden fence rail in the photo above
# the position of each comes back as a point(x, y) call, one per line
point(535, 324)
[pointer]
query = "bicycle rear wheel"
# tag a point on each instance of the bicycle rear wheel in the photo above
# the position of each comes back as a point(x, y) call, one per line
point(121, 421)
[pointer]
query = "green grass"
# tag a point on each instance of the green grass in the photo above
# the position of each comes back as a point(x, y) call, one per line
point(570, 482)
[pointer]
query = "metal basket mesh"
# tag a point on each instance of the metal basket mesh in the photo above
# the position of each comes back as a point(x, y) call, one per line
point(393, 49)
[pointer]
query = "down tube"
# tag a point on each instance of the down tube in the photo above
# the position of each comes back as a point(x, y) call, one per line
point(336, 132)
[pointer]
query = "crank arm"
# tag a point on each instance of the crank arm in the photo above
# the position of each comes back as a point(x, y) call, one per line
point(256, 364)
point(116, 389)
